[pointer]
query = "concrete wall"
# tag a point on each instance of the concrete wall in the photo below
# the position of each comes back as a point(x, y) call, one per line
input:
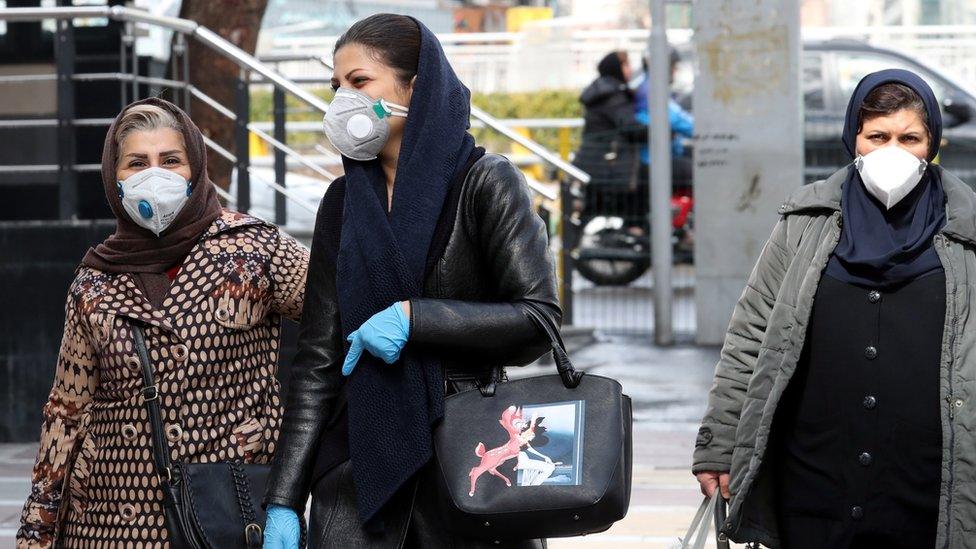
point(749, 144)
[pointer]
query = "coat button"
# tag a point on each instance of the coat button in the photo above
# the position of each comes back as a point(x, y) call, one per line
point(874, 296)
point(129, 431)
point(871, 353)
point(865, 459)
point(174, 433)
point(222, 314)
point(128, 512)
point(180, 352)
point(133, 363)
point(857, 512)
point(870, 402)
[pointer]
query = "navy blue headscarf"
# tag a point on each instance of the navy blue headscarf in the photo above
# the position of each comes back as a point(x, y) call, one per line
point(881, 248)
point(382, 259)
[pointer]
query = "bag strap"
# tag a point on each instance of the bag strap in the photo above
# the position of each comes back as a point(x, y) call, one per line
point(570, 376)
point(253, 533)
point(696, 524)
point(150, 396)
point(711, 510)
point(721, 540)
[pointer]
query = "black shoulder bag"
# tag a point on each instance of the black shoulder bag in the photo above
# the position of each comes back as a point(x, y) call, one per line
point(207, 505)
point(540, 457)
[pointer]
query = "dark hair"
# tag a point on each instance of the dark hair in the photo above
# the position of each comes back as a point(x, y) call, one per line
point(393, 39)
point(540, 439)
point(612, 65)
point(890, 98)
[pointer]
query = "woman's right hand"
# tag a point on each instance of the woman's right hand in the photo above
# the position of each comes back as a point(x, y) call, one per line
point(710, 480)
point(282, 530)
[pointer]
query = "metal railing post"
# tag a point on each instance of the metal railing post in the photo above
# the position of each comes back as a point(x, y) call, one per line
point(659, 139)
point(123, 65)
point(184, 50)
point(67, 179)
point(280, 167)
point(568, 239)
point(130, 39)
point(241, 133)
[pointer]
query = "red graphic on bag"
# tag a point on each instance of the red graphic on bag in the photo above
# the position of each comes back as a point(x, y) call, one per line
point(513, 423)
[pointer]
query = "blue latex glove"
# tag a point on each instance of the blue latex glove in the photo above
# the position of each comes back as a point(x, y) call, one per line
point(383, 335)
point(281, 531)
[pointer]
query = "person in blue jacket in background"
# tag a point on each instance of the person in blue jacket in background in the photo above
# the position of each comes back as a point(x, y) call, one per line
point(682, 126)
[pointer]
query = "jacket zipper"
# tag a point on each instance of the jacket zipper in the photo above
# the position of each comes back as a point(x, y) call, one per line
point(950, 398)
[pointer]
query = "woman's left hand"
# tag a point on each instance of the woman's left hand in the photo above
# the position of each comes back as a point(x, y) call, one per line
point(384, 335)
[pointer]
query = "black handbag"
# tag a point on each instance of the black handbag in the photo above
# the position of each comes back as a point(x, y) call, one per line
point(541, 457)
point(206, 505)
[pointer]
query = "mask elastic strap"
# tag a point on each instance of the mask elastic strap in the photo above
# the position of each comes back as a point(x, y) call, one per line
point(391, 109)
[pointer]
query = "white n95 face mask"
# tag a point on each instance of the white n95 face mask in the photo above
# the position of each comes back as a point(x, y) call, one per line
point(153, 197)
point(890, 173)
point(357, 125)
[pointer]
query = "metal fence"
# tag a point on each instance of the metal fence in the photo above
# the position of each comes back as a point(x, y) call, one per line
point(606, 259)
point(541, 58)
point(550, 57)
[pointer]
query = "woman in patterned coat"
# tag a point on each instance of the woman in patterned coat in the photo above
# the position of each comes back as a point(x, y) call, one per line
point(210, 287)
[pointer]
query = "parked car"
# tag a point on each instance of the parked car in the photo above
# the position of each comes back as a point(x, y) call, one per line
point(831, 70)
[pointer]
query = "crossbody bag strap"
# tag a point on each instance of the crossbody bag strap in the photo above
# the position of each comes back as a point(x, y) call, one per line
point(150, 396)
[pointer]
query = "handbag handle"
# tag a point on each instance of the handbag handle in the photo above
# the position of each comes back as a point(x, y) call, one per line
point(711, 509)
point(571, 377)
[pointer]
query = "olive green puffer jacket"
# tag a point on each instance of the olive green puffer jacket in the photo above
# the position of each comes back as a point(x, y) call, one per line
point(765, 338)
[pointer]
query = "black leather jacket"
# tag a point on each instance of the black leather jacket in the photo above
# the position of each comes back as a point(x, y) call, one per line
point(496, 260)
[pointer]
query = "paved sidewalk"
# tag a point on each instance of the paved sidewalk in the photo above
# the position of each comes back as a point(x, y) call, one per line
point(668, 387)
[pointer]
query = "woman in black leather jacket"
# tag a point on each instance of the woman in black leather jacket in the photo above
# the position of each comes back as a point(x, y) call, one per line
point(424, 258)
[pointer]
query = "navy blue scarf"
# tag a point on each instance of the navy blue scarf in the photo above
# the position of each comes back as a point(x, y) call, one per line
point(881, 248)
point(381, 261)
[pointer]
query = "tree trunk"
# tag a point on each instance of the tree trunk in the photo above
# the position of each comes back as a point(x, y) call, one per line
point(237, 21)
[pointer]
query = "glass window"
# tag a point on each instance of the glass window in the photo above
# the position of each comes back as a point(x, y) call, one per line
point(853, 66)
point(813, 82)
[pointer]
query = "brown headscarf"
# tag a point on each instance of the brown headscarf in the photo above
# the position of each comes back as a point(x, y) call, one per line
point(133, 249)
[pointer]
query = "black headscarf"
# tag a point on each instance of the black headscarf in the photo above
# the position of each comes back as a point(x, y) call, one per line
point(612, 66)
point(878, 247)
point(382, 260)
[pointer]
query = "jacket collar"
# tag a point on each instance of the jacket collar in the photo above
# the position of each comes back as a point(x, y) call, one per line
point(230, 220)
point(825, 195)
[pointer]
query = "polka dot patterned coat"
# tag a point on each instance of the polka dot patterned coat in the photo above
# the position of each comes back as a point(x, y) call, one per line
point(214, 346)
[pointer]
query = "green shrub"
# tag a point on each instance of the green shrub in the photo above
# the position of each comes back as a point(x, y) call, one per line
point(543, 104)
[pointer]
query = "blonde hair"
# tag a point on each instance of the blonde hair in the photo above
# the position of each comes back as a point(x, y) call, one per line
point(144, 118)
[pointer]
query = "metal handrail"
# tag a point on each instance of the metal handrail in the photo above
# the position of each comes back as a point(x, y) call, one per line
point(246, 62)
point(183, 26)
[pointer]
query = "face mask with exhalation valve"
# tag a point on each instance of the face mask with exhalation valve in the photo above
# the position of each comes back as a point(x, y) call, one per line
point(154, 197)
point(358, 125)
